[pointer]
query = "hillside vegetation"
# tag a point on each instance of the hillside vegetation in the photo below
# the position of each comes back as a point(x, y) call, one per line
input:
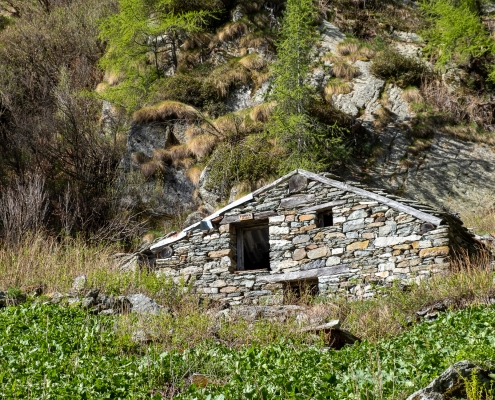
point(168, 62)
point(76, 75)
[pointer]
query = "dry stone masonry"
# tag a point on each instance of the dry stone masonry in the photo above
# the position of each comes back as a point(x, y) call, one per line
point(306, 228)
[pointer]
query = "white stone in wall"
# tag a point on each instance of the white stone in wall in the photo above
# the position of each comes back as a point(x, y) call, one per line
point(337, 251)
point(353, 225)
point(386, 266)
point(279, 244)
point(279, 230)
point(191, 270)
point(332, 261)
point(357, 215)
point(276, 219)
point(339, 220)
point(283, 265)
point(392, 241)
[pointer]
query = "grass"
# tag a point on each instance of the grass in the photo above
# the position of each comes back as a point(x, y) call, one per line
point(343, 70)
point(96, 357)
point(336, 86)
point(165, 111)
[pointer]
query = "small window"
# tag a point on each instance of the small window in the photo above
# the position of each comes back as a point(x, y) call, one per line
point(253, 248)
point(325, 218)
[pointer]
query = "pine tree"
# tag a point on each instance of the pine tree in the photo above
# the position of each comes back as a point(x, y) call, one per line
point(308, 143)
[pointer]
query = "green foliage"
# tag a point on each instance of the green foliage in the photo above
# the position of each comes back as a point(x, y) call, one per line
point(388, 370)
point(185, 89)
point(307, 143)
point(242, 158)
point(403, 71)
point(457, 33)
point(143, 41)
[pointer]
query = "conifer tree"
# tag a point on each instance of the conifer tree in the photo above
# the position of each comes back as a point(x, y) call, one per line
point(308, 143)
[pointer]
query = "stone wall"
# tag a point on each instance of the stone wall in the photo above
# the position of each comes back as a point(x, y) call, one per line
point(369, 244)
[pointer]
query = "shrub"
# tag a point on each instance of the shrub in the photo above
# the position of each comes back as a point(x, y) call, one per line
point(457, 33)
point(336, 86)
point(185, 89)
point(343, 70)
point(399, 69)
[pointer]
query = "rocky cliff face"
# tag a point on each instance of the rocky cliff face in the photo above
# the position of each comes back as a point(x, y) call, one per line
point(446, 172)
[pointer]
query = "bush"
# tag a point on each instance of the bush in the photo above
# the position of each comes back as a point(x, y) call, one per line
point(457, 33)
point(399, 69)
point(185, 89)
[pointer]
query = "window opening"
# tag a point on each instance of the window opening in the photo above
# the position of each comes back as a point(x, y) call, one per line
point(253, 248)
point(325, 218)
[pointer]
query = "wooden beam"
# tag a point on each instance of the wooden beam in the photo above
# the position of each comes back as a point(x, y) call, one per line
point(381, 199)
point(303, 275)
point(323, 206)
point(232, 219)
point(294, 201)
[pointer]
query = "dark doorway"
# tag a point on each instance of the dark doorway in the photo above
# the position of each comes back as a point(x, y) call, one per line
point(253, 248)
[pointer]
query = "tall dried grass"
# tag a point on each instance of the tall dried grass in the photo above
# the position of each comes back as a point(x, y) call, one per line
point(228, 76)
point(202, 146)
point(193, 131)
point(184, 163)
point(166, 111)
point(194, 173)
point(253, 61)
point(163, 156)
point(138, 158)
point(150, 169)
point(53, 263)
point(347, 48)
point(336, 86)
point(232, 31)
point(412, 95)
point(179, 152)
point(262, 112)
point(343, 70)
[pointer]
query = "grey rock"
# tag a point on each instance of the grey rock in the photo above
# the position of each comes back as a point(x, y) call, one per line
point(3, 298)
point(365, 94)
point(79, 283)
point(142, 304)
point(447, 382)
point(88, 302)
point(331, 36)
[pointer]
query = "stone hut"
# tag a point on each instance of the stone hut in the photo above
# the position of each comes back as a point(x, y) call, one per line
point(313, 230)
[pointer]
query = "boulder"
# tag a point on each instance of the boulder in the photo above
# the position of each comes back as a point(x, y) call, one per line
point(142, 304)
point(450, 384)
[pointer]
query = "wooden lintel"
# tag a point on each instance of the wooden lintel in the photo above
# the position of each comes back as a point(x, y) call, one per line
point(303, 275)
point(324, 206)
point(232, 219)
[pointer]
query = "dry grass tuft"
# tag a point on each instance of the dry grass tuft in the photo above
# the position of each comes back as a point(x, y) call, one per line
point(253, 61)
point(193, 131)
point(138, 158)
point(184, 163)
point(419, 145)
point(232, 31)
point(113, 78)
point(228, 76)
point(366, 52)
point(471, 133)
point(194, 173)
point(198, 40)
point(412, 95)
point(336, 86)
point(150, 169)
point(345, 71)
point(163, 156)
point(202, 146)
point(179, 152)
point(101, 87)
point(166, 111)
point(255, 41)
point(347, 48)
point(262, 112)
